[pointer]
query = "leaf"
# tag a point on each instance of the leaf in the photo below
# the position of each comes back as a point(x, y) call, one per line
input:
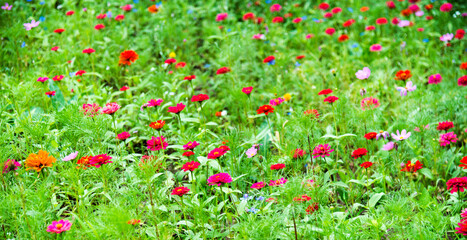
point(340, 184)
point(187, 223)
point(357, 182)
point(427, 172)
point(374, 199)
point(214, 164)
point(241, 207)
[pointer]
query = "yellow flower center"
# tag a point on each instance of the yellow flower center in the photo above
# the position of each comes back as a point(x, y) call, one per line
point(58, 226)
point(401, 137)
point(381, 131)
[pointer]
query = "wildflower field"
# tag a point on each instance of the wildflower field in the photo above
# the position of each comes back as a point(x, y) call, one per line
point(208, 119)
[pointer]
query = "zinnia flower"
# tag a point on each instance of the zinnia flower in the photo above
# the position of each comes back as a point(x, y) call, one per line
point(275, 8)
point(434, 79)
point(123, 136)
point(463, 163)
point(188, 154)
point(445, 7)
point(331, 99)
point(278, 182)
point(221, 17)
point(277, 166)
point(59, 226)
point(39, 161)
point(84, 162)
point(10, 165)
point(411, 167)
point(110, 108)
point(219, 179)
point(366, 165)
point(462, 81)
point(247, 90)
point(447, 138)
point(370, 135)
point(369, 103)
point(89, 50)
point(199, 98)
point(190, 145)
point(276, 102)
point(299, 153)
point(223, 70)
point(91, 110)
point(190, 166)
point(444, 126)
point(462, 229)
point(157, 143)
point(458, 184)
point(99, 160)
point(152, 103)
point(325, 92)
point(359, 152)
point(313, 112)
point(177, 109)
point(266, 109)
point(322, 151)
point(258, 185)
point(180, 191)
point(375, 48)
point(127, 57)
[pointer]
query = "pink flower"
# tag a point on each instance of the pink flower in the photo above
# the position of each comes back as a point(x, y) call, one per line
point(91, 110)
point(276, 102)
point(152, 103)
point(258, 185)
point(177, 109)
point(127, 7)
point(59, 226)
point(221, 17)
point(219, 179)
point(119, 17)
point(330, 31)
point(278, 182)
point(322, 151)
point(10, 165)
point(58, 78)
point(375, 48)
point(190, 145)
point(445, 7)
point(369, 103)
point(297, 20)
point(458, 184)
point(247, 90)
point(123, 135)
point(275, 8)
point(308, 36)
point(157, 143)
point(447, 138)
point(42, 79)
point(363, 74)
point(435, 79)
point(99, 160)
point(258, 36)
point(70, 157)
point(389, 146)
point(110, 108)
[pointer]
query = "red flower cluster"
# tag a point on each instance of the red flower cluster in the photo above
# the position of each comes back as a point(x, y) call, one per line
point(218, 152)
point(444, 126)
point(360, 152)
point(277, 166)
point(266, 109)
point(312, 208)
point(411, 167)
point(303, 198)
point(199, 98)
point(312, 112)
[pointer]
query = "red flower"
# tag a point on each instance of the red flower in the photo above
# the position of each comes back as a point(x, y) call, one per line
point(327, 15)
point(216, 153)
point(331, 99)
point(199, 98)
point(324, 6)
point(277, 166)
point(134, 221)
point(348, 23)
point(359, 152)
point(370, 135)
point(127, 57)
point(297, 20)
point(223, 70)
point(189, 78)
point(99, 160)
point(259, 20)
point(303, 198)
point(54, 48)
point(325, 92)
point(248, 16)
point(180, 191)
point(366, 164)
point(188, 154)
point(343, 38)
point(277, 20)
point(170, 61)
point(312, 208)
point(330, 31)
point(300, 57)
point(444, 126)
point(247, 90)
point(312, 111)
point(99, 26)
point(370, 28)
point(458, 184)
point(266, 109)
point(180, 65)
point(89, 50)
point(157, 124)
point(269, 59)
point(69, 13)
point(80, 73)
point(381, 21)
point(124, 88)
point(177, 108)
point(190, 166)
point(403, 75)
point(390, 4)
point(463, 66)
point(101, 16)
point(463, 163)
point(299, 153)
point(410, 167)
point(50, 94)
point(119, 17)
point(60, 30)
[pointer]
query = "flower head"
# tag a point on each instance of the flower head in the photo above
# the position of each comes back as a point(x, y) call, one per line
point(463, 163)
point(312, 112)
point(59, 226)
point(446, 37)
point(370, 135)
point(251, 152)
point(445, 7)
point(444, 126)
point(110, 108)
point(462, 229)
point(276, 102)
point(359, 152)
point(134, 221)
point(277, 166)
point(409, 87)
point(258, 185)
point(363, 74)
point(298, 153)
point(322, 151)
point(190, 166)
point(223, 70)
point(403, 75)
point(369, 103)
point(383, 134)
point(434, 79)
point(462, 81)
point(180, 191)
point(199, 98)
point(177, 109)
point(376, 48)
point(99, 160)
point(39, 161)
point(447, 138)
point(401, 136)
point(331, 99)
point(389, 146)
point(123, 135)
point(157, 143)
point(91, 110)
point(89, 50)
point(312, 208)
point(458, 184)
point(412, 167)
point(266, 109)
point(70, 157)
point(278, 182)
point(190, 145)
point(83, 162)
point(366, 164)
point(219, 179)
point(152, 103)
point(10, 165)
point(221, 17)
point(325, 92)
point(247, 90)
point(275, 8)
point(127, 57)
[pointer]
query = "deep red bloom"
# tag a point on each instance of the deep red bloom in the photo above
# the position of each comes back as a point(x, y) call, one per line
point(215, 153)
point(223, 70)
point(89, 50)
point(324, 6)
point(119, 17)
point(269, 59)
point(190, 166)
point(124, 88)
point(170, 61)
point(381, 21)
point(303, 198)
point(199, 98)
point(348, 23)
point(390, 4)
point(59, 30)
point(54, 48)
point(99, 160)
point(411, 167)
point(297, 20)
point(277, 166)
point(366, 164)
point(300, 57)
point(330, 31)
point(127, 57)
point(371, 135)
point(277, 20)
point(69, 13)
point(444, 126)
point(248, 16)
point(343, 37)
point(266, 109)
point(331, 99)
point(177, 108)
point(463, 163)
point(312, 208)
point(180, 65)
point(189, 78)
point(50, 94)
point(188, 153)
point(327, 15)
point(458, 184)
point(359, 152)
point(336, 10)
point(101, 16)
point(325, 92)
point(258, 20)
point(99, 26)
point(80, 73)
point(180, 191)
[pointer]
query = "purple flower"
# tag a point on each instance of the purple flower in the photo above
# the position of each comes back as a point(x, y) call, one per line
point(7, 7)
point(401, 136)
point(383, 134)
point(29, 26)
point(409, 87)
point(389, 146)
point(70, 157)
point(363, 74)
point(251, 152)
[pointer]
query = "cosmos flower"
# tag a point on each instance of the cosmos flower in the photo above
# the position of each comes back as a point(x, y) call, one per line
point(7, 7)
point(363, 74)
point(322, 151)
point(446, 37)
point(59, 226)
point(70, 157)
point(383, 134)
point(409, 87)
point(401, 136)
point(251, 152)
point(31, 25)
point(389, 146)
point(219, 179)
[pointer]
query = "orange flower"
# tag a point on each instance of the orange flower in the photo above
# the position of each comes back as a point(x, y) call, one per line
point(84, 162)
point(364, 9)
point(463, 66)
point(134, 221)
point(127, 57)
point(157, 125)
point(406, 12)
point(153, 9)
point(403, 75)
point(39, 161)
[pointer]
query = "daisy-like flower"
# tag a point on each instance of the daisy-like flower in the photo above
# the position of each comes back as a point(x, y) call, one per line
point(358, 153)
point(462, 229)
point(363, 74)
point(180, 191)
point(59, 226)
point(99, 160)
point(401, 136)
point(219, 179)
point(389, 146)
point(258, 185)
point(110, 108)
point(278, 182)
point(383, 134)
point(122, 136)
point(443, 126)
point(247, 90)
point(190, 166)
point(221, 17)
point(412, 167)
point(266, 109)
point(157, 143)
point(91, 110)
point(251, 152)
point(369, 103)
point(199, 98)
point(376, 48)
point(157, 124)
point(463, 163)
point(70, 157)
point(223, 70)
point(31, 25)
point(10, 165)
point(331, 99)
point(276, 102)
point(152, 103)
point(322, 151)
point(39, 161)
point(458, 184)
point(366, 165)
point(58, 78)
point(177, 108)
point(83, 163)
point(190, 145)
point(409, 87)
point(325, 92)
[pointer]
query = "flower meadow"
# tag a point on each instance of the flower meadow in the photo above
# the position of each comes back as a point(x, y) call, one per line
point(237, 119)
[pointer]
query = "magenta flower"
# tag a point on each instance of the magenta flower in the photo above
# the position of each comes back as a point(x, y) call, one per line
point(445, 7)
point(177, 109)
point(369, 103)
point(447, 138)
point(42, 79)
point(123, 135)
point(152, 103)
point(276, 102)
point(275, 8)
point(375, 48)
point(435, 79)
point(458, 184)
point(190, 145)
point(91, 110)
point(258, 185)
point(110, 108)
point(322, 151)
point(59, 226)
point(383, 134)
point(363, 74)
point(99, 160)
point(464, 213)
point(221, 17)
point(401, 136)
point(409, 87)
point(258, 36)
point(278, 182)
point(446, 37)
point(157, 143)
point(389, 146)
point(219, 179)
point(10, 165)
point(247, 90)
